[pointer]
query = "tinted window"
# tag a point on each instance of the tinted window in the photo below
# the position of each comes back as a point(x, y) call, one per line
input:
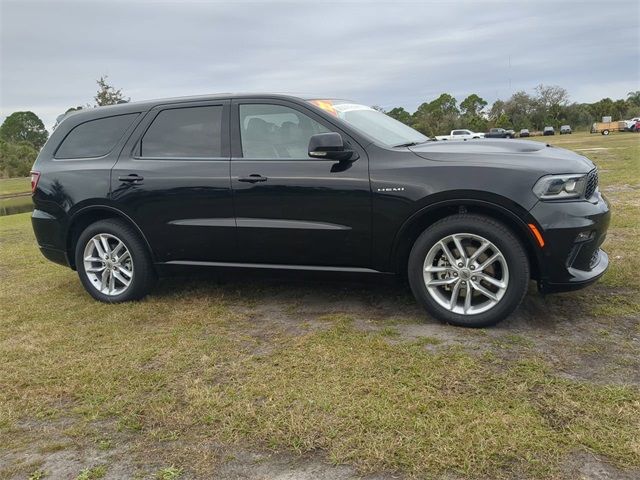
point(275, 131)
point(95, 138)
point(193, 132)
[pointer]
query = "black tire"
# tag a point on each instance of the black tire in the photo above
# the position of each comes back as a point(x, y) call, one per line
point(492, 230)
point(605, 132)
point(144, 276)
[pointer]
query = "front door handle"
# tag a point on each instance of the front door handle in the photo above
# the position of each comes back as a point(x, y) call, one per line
point(253, 178)
point(131, 178)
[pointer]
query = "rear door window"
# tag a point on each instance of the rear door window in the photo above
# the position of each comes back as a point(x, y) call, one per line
point(189, 132)
point(95, 138)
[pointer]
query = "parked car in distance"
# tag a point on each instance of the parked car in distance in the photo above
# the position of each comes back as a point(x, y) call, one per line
point(460, 135)
point(565, 130)
point(549, 131)
point(499, 133)
point(126, 193)
point(524, 133)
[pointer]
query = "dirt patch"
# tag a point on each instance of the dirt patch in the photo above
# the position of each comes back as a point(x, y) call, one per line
point(62, 448)
point(584, 466)
point(256, 466)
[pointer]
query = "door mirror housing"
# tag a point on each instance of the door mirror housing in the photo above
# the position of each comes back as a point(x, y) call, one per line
point(330, 146)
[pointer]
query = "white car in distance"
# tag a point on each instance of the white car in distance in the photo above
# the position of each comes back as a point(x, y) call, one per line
point(460, 135)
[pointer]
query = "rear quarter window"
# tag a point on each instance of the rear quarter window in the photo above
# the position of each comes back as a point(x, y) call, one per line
point(95, 138)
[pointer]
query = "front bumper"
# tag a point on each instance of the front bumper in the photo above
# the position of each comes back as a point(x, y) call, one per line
point(573, 232)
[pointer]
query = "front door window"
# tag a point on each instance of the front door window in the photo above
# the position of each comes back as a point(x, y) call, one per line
point(276, 131)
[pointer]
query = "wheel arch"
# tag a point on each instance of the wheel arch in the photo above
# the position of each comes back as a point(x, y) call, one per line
point(91, 214)
point(423, 218)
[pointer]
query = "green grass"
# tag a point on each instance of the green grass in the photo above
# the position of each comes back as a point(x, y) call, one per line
point(169, 473)
point(191, 366)
point(15, 185)
point(93, 473)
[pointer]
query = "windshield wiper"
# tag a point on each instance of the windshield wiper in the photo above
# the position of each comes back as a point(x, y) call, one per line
point(408, 144)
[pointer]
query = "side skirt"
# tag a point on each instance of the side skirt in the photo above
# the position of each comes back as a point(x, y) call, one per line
point(274, 266)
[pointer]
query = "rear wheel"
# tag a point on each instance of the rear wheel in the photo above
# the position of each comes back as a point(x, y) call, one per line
point(468, 270)
point(113, 262)
point(605, 132)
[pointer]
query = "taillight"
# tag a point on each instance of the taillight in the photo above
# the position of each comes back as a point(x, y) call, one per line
point(35, 176)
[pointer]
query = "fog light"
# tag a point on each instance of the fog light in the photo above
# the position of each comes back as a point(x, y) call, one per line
point(584, 236)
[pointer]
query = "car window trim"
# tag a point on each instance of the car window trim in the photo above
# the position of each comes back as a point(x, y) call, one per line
point(156, 110)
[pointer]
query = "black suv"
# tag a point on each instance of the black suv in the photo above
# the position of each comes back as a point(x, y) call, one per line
point(126, 193)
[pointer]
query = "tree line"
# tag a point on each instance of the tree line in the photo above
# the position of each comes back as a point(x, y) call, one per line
point(23, 134)
point(548, 106)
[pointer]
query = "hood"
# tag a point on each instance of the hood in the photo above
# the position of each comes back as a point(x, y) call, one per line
point(506, 152)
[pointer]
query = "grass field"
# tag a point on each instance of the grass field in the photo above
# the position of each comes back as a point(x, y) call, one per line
point(246, 375)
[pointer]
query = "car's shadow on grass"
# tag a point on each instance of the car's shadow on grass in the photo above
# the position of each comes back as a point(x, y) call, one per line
point(301, 290)
point(371, 296)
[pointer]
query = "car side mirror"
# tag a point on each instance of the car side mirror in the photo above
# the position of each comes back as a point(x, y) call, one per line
point(330, 146)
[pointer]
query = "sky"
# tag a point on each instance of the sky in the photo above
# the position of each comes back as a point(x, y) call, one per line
point(385, 53)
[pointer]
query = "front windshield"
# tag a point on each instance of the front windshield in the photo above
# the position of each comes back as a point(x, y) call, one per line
point(382, 128)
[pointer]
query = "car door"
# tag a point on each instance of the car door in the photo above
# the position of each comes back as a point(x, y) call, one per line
point(172, 179)
point(290, 208)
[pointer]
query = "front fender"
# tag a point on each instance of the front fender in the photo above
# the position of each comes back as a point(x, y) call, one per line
point(438, 206)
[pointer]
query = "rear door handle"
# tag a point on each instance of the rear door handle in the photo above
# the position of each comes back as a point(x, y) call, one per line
point(131, 178)
point(253, 178)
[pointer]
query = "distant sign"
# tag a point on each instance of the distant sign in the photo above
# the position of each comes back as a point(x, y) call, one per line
point(606, 119)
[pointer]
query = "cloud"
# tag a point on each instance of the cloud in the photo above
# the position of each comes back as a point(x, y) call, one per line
point(383, 53)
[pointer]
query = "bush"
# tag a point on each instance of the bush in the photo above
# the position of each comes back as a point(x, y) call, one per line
point(16, 159)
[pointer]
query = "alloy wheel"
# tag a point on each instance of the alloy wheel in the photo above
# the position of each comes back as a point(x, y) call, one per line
point(466, 273)
point(108, 264)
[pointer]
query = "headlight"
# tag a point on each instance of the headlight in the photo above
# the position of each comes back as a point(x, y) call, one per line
point(559, 187)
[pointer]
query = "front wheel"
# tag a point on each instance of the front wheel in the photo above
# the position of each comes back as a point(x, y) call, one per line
point(113, 262)
point(468, 270)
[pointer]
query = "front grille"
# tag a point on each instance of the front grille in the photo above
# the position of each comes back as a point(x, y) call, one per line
point(592, 183)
